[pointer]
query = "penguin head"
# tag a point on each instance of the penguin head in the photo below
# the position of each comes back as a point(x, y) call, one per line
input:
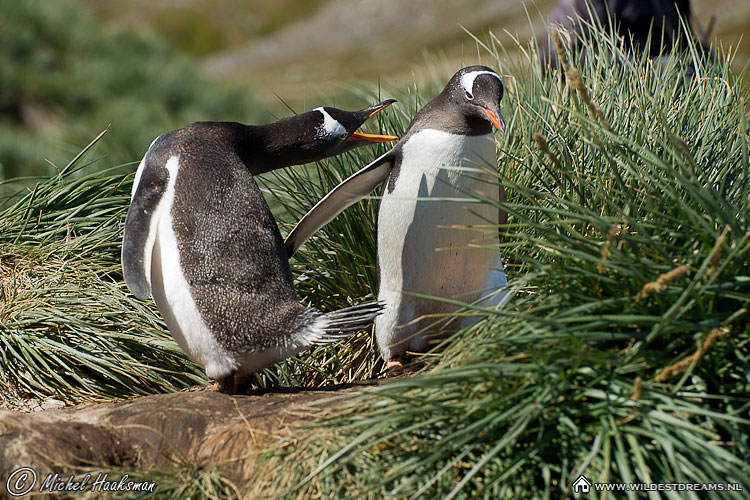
point(336, 131)
point(478, 90)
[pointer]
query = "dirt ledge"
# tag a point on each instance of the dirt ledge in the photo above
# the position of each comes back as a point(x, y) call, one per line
point(201, 428)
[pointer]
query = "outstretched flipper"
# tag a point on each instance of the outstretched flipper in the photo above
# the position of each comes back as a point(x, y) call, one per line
point(149, 187)
point(348, 192)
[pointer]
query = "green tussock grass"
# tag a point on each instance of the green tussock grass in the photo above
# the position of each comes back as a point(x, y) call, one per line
point(623, 352)
point(68, 326)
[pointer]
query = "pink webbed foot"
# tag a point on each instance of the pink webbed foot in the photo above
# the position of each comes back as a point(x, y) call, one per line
point(393, 364)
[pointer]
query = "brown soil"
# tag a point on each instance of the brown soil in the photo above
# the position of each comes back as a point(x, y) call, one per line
point(200, 428)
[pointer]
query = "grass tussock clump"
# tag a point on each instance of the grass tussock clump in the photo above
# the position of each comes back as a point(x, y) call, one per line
point(623, 354)
point(68, 327)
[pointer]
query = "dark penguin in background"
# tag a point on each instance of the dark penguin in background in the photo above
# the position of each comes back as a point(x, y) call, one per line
point(434, 239)
point(650, 26)
point(201, 239)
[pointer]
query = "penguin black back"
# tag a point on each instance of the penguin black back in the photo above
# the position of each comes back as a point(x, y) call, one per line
point(230, 248)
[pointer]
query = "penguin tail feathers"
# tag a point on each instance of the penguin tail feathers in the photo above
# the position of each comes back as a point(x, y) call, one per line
point(340, 324)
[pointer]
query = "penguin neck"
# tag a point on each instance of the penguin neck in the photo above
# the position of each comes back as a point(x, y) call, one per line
point(283, 143)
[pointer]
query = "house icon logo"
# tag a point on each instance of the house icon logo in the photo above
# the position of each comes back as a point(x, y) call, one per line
point(581, 485)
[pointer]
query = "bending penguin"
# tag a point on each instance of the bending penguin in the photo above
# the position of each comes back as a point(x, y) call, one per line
point(201, 239)
point(433, 177)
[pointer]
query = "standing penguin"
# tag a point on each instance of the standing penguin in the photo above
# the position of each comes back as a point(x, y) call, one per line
point(201, 239)
point(433, 177)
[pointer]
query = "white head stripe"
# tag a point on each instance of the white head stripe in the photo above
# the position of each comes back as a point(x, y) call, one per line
point(467, 79)
point(330, 125)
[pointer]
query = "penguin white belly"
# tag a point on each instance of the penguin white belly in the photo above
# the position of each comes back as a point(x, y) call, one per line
point(423, 245)
point(172, 295)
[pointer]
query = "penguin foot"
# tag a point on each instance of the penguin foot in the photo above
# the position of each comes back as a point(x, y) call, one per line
point(393, 364)
point(204, 388)
point(398, 365)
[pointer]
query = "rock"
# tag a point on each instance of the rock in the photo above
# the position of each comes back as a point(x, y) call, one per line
point(51, 404)
point(205, 429)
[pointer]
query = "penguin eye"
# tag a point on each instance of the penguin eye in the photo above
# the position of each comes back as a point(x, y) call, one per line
point(469, 96)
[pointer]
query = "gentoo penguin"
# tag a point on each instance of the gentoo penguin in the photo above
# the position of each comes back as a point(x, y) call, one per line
point(433, 177)
point(201, 239)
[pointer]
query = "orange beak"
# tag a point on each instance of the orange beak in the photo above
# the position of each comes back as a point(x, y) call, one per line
point(498, 122)
point(356, 136)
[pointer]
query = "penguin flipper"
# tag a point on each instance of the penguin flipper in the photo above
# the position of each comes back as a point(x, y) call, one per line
point(348, 192)
point(140, 226)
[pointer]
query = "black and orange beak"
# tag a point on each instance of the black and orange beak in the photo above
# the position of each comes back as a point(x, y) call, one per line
point(356, 136)
point(374, 110)
point(496, 118)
